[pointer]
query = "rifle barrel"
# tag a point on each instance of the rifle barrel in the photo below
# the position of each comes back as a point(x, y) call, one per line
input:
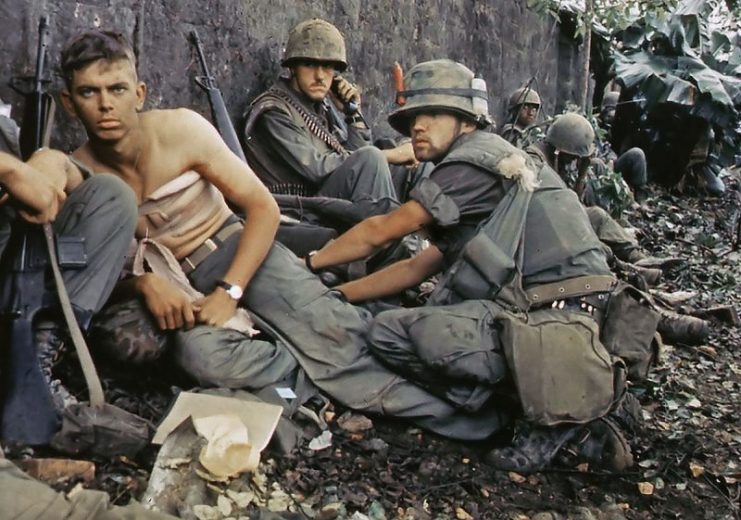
point(196, 40)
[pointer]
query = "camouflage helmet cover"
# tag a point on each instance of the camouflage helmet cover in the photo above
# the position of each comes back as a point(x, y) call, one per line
point(127, 332)
point(523, 96)
point(443, 85)
point(571, 133)
point(317, 40)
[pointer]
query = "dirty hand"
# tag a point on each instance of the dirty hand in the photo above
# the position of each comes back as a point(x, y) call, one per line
point(52, 165)
point(344, 92)
point(169, 304)
point(402, 154)
point(38, 202)
point(216, 308)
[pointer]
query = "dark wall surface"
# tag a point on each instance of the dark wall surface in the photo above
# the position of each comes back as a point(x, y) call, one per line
point(501, 40)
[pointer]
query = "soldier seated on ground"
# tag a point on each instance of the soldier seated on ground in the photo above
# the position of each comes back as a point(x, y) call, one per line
point(306, 134)
point(49, 188)
point(631, 163)
point(191, 243)
point(522, 113)
point(535, 259)
point(568, 148)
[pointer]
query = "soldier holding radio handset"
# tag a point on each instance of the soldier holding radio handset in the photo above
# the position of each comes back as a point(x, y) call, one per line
point(306, 135)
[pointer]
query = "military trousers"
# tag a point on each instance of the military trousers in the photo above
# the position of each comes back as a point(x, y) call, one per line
point(612, 234)
point(632, 166)
point(102, 210)
point(363, 178)
point(327, 337)
point(452, 351)
point(227, 358)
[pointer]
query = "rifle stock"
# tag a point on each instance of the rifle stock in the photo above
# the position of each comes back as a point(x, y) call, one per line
point(219, 113)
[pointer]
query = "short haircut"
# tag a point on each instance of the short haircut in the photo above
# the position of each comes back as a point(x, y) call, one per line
point(92, 46)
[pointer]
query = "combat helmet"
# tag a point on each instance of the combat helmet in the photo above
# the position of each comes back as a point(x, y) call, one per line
point(523, 96)
point(571, 133)
point(317, 40)
point(443, 85)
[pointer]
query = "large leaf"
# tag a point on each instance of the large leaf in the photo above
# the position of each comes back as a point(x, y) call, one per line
point(734, 63)
point(684, 81)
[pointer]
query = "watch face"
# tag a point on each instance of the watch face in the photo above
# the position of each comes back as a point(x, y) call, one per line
point(235, 292)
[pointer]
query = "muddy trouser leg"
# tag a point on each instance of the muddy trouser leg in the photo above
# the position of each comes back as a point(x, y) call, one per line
point(611, 233)
point(23, 497)
point(452, 351)
point(365, 179)
point(326, 335)
point(103, 211)
point(632, 166)
point(227, 358)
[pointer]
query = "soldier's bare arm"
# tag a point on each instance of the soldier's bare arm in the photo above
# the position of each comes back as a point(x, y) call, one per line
point(372, 234)
point(394, 278)
point(207, 154)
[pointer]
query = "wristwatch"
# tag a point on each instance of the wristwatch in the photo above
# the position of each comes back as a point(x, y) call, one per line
point(234, 291)
point(307, 261)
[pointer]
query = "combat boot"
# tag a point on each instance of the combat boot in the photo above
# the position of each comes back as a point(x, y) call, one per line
point(641, 277)
point(601, 443)
point(628, 414)
point(680, 328)
point(49, 349)
point(634, 255)
point(532, 448)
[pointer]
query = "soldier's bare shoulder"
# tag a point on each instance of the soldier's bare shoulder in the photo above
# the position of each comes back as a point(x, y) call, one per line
point(175, 125)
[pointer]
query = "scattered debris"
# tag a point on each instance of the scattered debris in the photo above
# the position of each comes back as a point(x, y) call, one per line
point(354, 422)
point(54, 471)
point(321, 442)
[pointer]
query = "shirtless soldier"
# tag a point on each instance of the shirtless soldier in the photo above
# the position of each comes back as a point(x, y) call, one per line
point(149, 150)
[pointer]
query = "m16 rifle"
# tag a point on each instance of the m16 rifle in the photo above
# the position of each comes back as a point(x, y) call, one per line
point(28, 412)
point(299, 236)
point(219, 113)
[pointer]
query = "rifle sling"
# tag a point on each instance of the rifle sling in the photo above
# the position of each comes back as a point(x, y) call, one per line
point(92, 380)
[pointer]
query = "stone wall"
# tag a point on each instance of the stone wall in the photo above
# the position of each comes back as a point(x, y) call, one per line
point(501, 40)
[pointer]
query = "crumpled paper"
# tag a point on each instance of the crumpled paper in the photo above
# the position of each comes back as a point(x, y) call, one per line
point(228, 451)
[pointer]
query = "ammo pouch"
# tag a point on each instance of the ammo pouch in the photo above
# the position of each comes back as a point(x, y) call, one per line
point(489, 261)
point(484, 270)
point(628, 329)
point(562, 372)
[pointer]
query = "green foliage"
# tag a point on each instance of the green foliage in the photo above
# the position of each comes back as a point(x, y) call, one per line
point(611, 17)
point(612, 192)
point(678, 59)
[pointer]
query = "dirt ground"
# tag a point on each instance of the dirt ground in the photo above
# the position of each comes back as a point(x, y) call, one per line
point(688, 457)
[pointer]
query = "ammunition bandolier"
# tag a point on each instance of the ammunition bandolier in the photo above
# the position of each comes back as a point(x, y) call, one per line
point(272, 170)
